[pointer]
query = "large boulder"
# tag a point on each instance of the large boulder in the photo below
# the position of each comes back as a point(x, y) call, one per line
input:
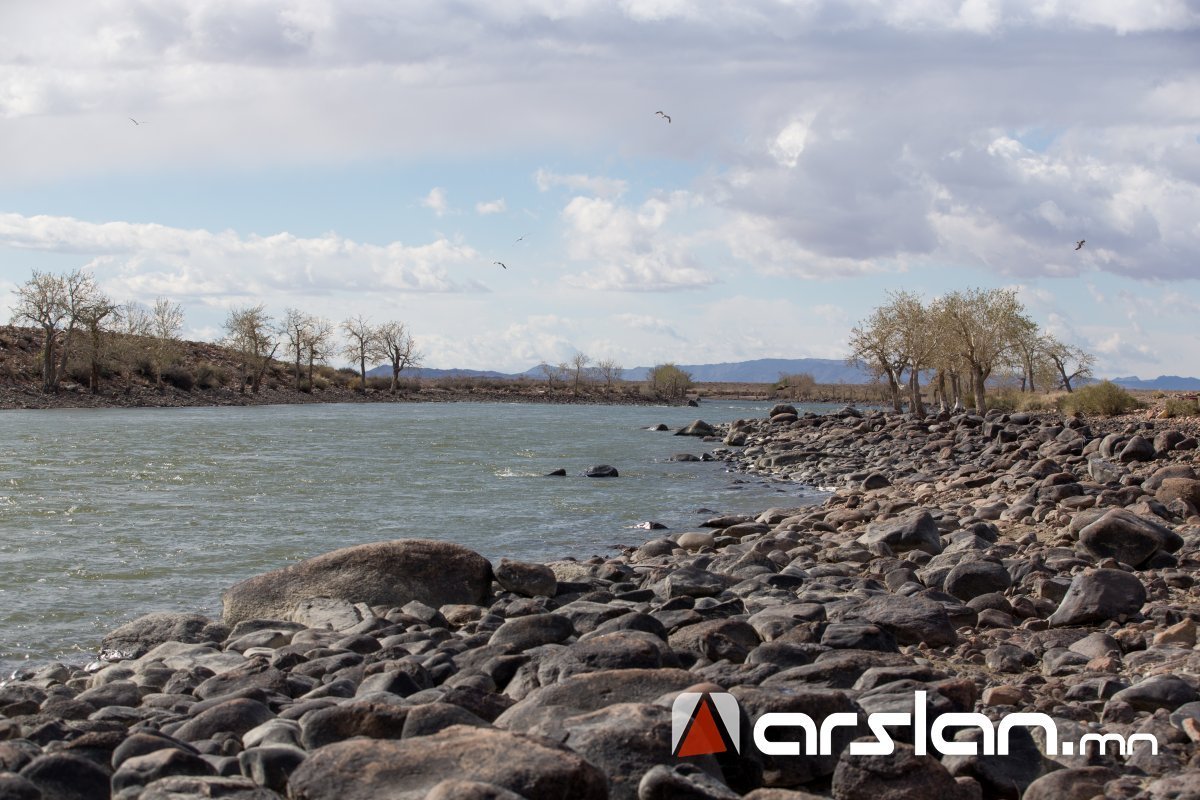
point(381, 573)
point(1128, 538)
point(911, 620)
point(1099, 596)
point(913, 530)
point(369, 769)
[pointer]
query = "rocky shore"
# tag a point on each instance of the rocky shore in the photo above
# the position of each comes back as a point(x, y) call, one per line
point(994, 565)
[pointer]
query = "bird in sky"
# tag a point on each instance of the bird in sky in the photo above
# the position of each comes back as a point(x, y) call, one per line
point(1079, 244)
point(134, 121)
point(664, 116)
point(501, 263)
point(521, 238)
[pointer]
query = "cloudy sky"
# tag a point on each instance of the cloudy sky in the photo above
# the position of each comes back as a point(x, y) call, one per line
point(373, 157)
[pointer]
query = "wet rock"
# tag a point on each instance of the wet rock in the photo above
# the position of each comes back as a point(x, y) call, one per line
point(382, 573)
point(143, 634)
point(602, 471)
point(697, 428)
point(366, 769)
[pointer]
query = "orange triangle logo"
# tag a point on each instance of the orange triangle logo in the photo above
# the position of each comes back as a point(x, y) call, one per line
point(703, 737)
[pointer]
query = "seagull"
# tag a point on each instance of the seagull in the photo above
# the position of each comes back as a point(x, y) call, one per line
point(521, 238)
point(664, 116)
point(1079, 244)
point(501, 263)
point(134, 121)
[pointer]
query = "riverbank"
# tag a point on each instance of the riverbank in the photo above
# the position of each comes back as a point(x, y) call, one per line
point(1014, 563)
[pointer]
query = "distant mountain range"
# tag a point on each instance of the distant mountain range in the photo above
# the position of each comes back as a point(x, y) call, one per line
point(764, 370)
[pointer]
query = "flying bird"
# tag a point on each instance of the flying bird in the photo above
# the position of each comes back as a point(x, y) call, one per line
point(521, 238)
point(664, 116)
point(501, 263)
point(1079, 244)
point(134, 121)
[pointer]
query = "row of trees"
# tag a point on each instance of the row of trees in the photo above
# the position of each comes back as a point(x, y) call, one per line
point(76, 319)
point(309, 339)
point(962, 339)
point(79, 321)
point(579, 370)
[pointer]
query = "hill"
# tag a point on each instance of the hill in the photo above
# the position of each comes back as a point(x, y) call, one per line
point(1166, 383)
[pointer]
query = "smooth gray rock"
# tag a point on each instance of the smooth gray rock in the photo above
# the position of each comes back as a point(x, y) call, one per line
point(1099, 596)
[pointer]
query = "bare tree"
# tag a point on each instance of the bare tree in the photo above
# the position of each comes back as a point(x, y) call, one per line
point(610, 371)
point(296, 327)
point(96, 321)
point(56, 304)
point(982, 325)
point(553, 373)
point(393, 343)
point(166, 322)
point(876, 344)
point(360, 341)
point(318, 343)
point(915, 339)
point(1069, 361)
point(578, 370)
point(249, 332)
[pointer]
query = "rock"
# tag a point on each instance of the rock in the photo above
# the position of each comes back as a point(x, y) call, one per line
point(592, 691)
point(455, 789)
point(697, 428)
point(682, 782)
point(326, 613)
point(232, 716)
point(141, 771)
point(695, 540)
point(601, 471)
point(530, 580)
point(818, 704)
point(970, 579)
point(1160, 691)
point(534, 630)
point(382, 573)
point(556, 473)
point(624, 741)
point(913, 530)
point(367, 769)
point(1136, 449)
point(685, 457)
point(1002, 777)
point(1102, 471)
point(902, 775)
point(429, 718)
point(912, 620)
point(1099, 596)
point(716, 639)
point(63, 776)
point(14, 787)
point(143, 634)
point(198, 788)
point(1080, 783)
point(876, 480)
point(1187, 489)
point(1128, 538)
point(270, 766)
point(337, 723)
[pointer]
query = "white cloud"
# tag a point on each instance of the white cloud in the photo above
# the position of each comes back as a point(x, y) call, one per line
point(436, 201)
point(497, 206)
point(598, 186)
point(649, 324)
point(630, 248)
point(146, 260)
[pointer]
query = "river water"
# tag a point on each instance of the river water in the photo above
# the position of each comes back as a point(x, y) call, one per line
point(109, 514)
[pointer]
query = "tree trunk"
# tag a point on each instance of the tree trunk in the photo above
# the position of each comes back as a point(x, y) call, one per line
point(915, 404)
point(362, 370)
point(894, 388)
point(48, 361)
point(977, 379)
point(395, 376)
point(298, 372)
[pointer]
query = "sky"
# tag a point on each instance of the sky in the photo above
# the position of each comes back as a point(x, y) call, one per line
point(376, 158)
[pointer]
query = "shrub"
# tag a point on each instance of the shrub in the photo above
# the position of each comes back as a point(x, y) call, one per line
point(180, 377)
point(1182, 407)
point(1006, 399)
point(210, 376)
point(1104, 399)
